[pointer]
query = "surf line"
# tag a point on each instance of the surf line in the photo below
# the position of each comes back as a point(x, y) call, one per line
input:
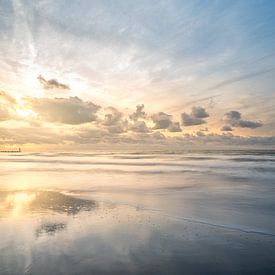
point(225, 226)
point(199, 221)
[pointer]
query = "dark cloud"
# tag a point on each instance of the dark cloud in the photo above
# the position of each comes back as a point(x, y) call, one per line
point(234, 119)
point(249, 124)
point(174, 127)
point(164, 121)
point(139, 113)
point(199, 112)
point(226, 128)
point(72, 110)
point(161, 120)
point(195, 118)
point(52, 84)
point(233, 115)
point(188, 120)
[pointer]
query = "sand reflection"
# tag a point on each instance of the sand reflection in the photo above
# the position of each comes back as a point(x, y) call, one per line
point(18, 203)
point(50, 229)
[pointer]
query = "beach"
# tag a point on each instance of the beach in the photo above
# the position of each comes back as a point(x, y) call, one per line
point(180, 212)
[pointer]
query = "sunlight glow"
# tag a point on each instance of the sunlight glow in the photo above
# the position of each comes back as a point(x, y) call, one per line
point(21, 198)
point(18, 202)
point(24, 112)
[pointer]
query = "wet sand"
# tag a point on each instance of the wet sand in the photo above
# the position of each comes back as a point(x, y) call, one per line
point(84, 222)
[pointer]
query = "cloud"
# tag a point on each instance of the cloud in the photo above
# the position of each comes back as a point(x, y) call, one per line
point(88, 134)
point(164, 121)
point(7, 103)
point(240, 78)
point(249, 124)
point(30, 135)
point(139, 127)
point(118, 128)
point(113, 121)
point(226, 128)
point(208, 98)
point(4, 113)
point(234, 119)
point(195, 118)
point(111, 125)
point(174, 127)
point(139, 113)
point(72, 110)
point(188, 120)
point(199, 112)
point(52, 84)
point(224, 140)
point(158, 136)
point(161, 120)
point(200, 134)
point(233, 115)
point(113, 117)
point(5, 97)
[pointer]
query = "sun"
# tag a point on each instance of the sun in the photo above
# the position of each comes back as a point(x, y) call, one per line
point(24, 113)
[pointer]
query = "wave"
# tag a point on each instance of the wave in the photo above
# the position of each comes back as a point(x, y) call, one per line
point(247, 167)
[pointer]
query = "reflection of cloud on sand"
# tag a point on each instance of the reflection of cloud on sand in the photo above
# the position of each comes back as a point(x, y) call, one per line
point(59, 202)
point(50, 229)
point(19, 202)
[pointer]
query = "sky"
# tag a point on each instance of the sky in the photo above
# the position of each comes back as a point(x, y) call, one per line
point(137, 72)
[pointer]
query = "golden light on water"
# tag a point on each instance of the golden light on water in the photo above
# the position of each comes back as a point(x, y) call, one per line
point(18, 202)
point(21, 198)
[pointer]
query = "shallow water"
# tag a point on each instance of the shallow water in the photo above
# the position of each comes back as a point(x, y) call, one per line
point(210, 212)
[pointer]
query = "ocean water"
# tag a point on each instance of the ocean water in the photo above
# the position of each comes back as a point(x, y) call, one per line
point(181, 212)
